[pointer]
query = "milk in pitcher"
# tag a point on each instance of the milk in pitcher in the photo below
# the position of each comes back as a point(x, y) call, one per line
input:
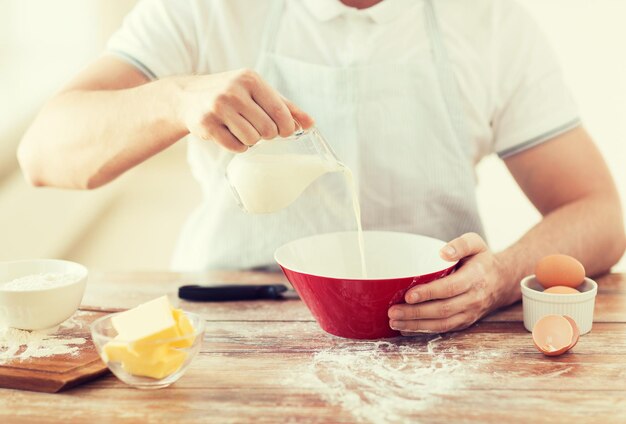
point(267, 182)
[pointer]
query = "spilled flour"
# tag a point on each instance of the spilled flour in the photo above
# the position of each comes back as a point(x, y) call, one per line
point(21, 345)
point(388, 381)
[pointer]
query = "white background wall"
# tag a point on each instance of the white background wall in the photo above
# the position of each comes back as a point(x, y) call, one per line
point(133, 223)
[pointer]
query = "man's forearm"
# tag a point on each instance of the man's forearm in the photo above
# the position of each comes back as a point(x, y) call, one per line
point(590, 229)
point(83, 139)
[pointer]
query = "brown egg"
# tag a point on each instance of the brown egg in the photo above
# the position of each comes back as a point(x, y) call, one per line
point(553, 335)
point(561, 290)
point(576, 331)
point(559, 270)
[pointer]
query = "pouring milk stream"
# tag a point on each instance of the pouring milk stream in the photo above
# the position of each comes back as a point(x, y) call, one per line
point(274, 173)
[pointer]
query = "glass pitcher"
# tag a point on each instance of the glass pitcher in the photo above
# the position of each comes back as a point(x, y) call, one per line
point(272, 174)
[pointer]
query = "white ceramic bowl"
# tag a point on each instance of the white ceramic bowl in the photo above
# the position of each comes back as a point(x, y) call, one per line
point(41, 308)
point(579, 306)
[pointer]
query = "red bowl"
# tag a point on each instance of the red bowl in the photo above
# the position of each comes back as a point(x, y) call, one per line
point(326, 272)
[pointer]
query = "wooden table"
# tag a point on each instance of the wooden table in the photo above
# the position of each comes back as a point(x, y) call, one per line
point(268, 361)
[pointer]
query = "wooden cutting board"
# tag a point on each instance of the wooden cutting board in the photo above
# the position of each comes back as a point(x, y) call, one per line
point(54, 373)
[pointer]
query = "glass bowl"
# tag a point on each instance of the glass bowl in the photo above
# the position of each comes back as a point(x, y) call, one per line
point(166, 359)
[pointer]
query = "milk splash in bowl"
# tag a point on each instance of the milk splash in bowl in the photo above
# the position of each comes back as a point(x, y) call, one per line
point(271, 175)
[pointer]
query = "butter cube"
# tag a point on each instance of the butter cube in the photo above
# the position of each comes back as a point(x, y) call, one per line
point(146, 323)
point(185, 328)
point(168, 365)
point(118, 351)
point(114, 351)
point(138, 346)
point(157, 363)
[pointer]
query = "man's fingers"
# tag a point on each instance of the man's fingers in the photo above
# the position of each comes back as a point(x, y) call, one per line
point(467, 245)
point(242, 129)
point(274, 106)
point(260, 120)
point(222, 135)
point(455, 322)
point(453, 285)
point(433, 310)
point(299, 115)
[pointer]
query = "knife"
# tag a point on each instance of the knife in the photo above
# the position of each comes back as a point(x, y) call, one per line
point(234, 292)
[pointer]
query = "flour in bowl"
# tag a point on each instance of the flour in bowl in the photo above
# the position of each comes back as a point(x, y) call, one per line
point(40, 281)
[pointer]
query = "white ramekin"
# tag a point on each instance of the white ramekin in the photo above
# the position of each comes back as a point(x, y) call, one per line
point(579, 306)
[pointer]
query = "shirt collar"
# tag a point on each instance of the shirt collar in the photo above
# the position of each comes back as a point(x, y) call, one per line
point(381, 13)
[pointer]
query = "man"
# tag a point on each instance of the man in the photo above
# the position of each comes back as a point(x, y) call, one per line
point(411, 94)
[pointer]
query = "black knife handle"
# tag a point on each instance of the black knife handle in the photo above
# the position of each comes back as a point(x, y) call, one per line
point(227, 293)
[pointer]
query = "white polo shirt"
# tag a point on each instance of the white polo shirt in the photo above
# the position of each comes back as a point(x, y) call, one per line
point(511, 85)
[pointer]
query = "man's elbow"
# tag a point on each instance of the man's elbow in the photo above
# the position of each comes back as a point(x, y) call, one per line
point(38, 168)
point(31, 168)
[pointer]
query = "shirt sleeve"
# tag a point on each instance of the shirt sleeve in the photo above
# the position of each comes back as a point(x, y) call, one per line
point(158, 37)
point(532, 101)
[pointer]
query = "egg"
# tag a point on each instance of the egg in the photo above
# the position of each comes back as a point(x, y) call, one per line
point(554, 335)
point(561, 290)
point(559, 270)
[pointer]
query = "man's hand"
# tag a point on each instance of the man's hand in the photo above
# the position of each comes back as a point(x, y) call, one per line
point(236, 109)
point(458, 300)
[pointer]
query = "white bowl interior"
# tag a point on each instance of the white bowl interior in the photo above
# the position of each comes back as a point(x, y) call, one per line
point(388, 255)
point(39, 309)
